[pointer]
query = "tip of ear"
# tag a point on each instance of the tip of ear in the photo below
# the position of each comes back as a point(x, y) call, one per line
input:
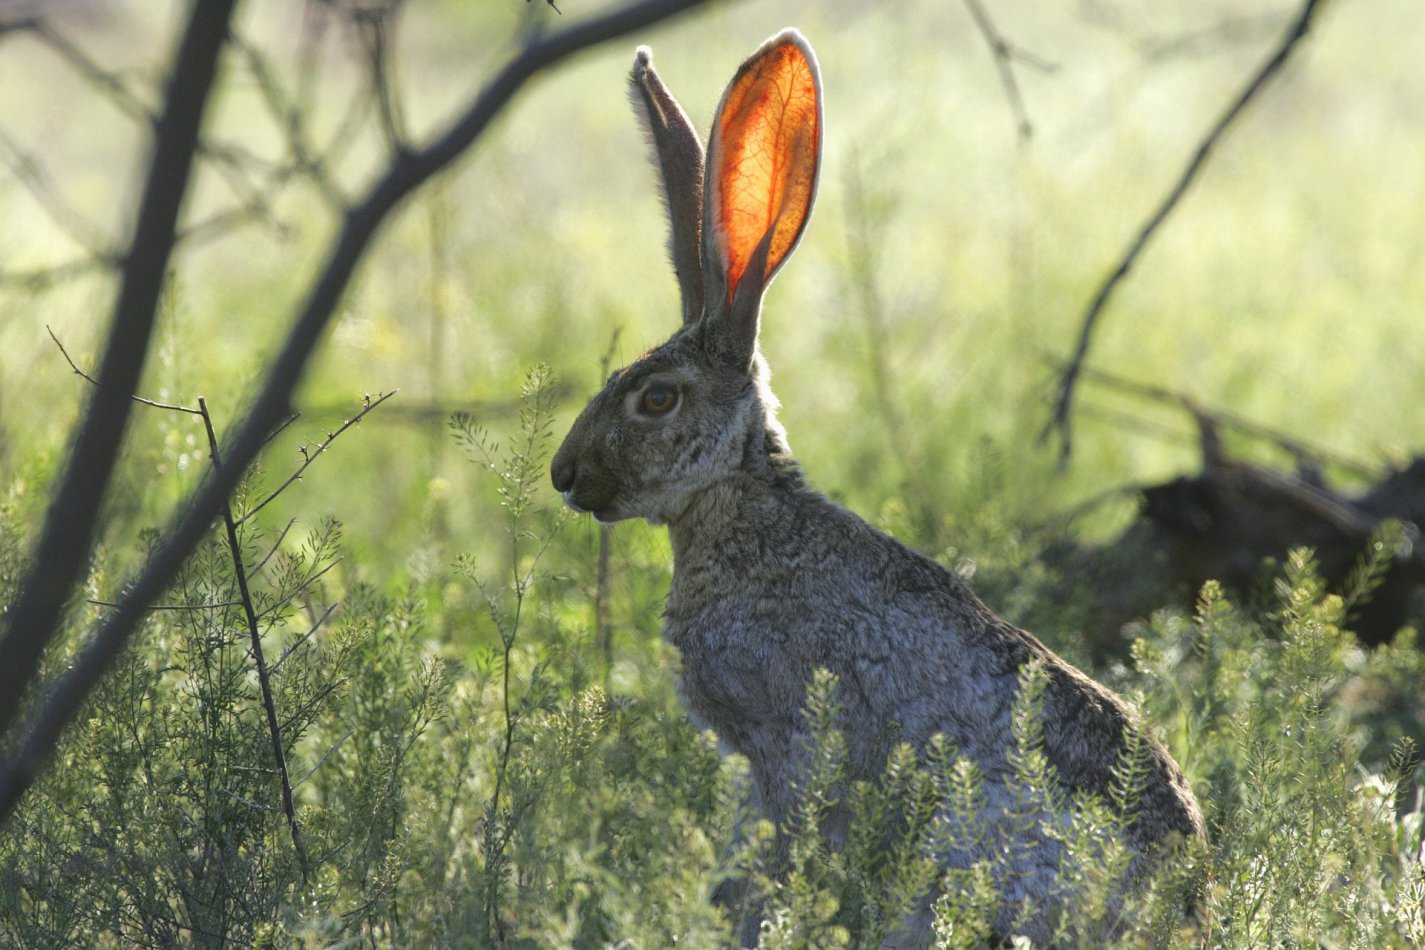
point(642, 60)
point(791, 36)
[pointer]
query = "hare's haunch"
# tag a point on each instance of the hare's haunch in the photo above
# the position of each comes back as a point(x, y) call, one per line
point(772, 581)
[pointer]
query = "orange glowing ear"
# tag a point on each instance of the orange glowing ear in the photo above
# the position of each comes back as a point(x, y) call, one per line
point(763, 159)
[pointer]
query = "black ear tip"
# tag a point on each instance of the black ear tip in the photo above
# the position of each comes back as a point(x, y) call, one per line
point(642, 61)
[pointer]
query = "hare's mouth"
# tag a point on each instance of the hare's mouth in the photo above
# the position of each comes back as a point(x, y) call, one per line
point(606, 514)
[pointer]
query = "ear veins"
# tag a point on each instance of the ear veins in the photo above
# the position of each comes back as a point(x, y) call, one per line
point(768, 135)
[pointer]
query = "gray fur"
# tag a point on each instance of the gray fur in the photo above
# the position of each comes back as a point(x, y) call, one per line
point(679, 153)
point(772, 581)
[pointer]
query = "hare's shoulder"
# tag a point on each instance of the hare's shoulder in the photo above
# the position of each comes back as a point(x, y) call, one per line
point(799, 582)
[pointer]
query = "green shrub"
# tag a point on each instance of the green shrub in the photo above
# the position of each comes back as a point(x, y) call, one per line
point(528, 792)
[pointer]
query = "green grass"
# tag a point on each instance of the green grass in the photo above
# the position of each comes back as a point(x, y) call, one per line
point(1286, 288)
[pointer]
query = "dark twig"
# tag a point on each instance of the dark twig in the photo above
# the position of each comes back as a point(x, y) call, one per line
point(257, 568)
point(31, 174)
point(1064, 405)
point(300, 589)
point(215, 606)
point(1231, 31)
point(290, 118)
point(259, 659)
point(140, 399)
point(407, 173)
point(326, 755)
point(297, 644)
point(309, 455)
point(21, 25)
point(373, 26)
point(280, 428)
point(42, 278)
point(110, 84)
point(69, 526)
point(1005, 55)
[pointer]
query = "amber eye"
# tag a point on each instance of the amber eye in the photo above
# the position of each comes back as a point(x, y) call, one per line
point(658, 399)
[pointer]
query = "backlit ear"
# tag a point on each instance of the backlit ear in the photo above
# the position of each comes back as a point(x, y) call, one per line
point(763, 158)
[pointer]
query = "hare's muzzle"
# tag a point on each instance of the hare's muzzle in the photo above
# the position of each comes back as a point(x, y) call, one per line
point(583, 487)
point(562, 471)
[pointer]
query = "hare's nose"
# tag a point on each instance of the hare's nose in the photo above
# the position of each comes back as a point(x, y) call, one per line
point(562, 472)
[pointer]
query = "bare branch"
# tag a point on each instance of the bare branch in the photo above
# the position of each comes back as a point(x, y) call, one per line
point(289, 118)
point(109, 84)
point(22, 25)
point(316, 625)
point(373, 26)
point(407, 173)
point(310, 456)
point(257, 568)
point(43, 278)
point(32, 175)
point(259, 659)
point(140, 399)
point(326, 755)
point(1222, 418)
point(69, 525)
point(1229, 32)
point(1064, 405)
point(214, 606)
point(1005, 55)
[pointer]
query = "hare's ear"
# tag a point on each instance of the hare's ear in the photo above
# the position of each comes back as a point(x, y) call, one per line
point(763, 159)
point(679, 153)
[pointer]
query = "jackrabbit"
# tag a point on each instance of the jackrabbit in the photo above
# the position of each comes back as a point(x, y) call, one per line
point(772, 581)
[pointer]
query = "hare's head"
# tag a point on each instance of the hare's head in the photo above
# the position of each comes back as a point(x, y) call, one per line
point(697, 410)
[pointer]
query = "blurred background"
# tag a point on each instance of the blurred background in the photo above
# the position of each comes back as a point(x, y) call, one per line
point(916, 338)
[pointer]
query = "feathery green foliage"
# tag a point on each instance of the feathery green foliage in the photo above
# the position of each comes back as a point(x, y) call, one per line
point(507, 799)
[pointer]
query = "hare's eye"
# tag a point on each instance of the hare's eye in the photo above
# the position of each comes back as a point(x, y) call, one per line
point(658, 399)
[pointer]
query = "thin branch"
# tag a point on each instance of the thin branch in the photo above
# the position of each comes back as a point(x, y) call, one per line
point(373, 26)
point(257, 568)
point(326, 755)
point(139, 399)
point(108, 83)
point(1005, 55)
point(31, 174)
point(1064, 405)
point(407, 413)
point(39, 279)
point(312, 703)
point(1231, 31)
point(296, 645)
point(299, 590)
point(289, 118)
point(362, 222)
point(69, 526)
point(215, 606)
point(21, 25)
point(259, 659)
point(1224, 418)
point(280, 428)
point(222, 223)
point(310, 455)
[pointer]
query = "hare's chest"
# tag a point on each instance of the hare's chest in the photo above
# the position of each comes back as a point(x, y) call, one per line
point(737, 677)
